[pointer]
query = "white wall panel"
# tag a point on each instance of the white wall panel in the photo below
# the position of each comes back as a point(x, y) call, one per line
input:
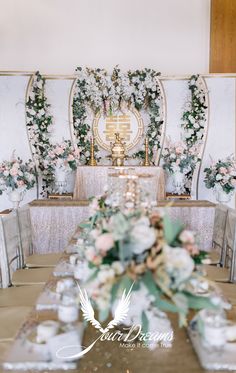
point(221, 135)
point(13, 135)
point(177, 93)
point(58, 92)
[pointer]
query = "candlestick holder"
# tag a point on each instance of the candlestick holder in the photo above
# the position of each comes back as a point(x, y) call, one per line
point(146, 159)
point(92, 161)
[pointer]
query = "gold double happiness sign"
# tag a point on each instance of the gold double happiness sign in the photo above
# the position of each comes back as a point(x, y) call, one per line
point(129, 126)
point(118, 123)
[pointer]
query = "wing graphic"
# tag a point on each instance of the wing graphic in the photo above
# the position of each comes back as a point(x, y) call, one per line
point(88, 311)
point(122, 309)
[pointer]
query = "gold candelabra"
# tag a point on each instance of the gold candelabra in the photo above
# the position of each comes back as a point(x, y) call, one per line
point(92, 161)
point(146, 159)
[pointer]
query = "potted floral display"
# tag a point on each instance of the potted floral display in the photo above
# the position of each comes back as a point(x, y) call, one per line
point(221, 177)
point(16, 177)
point(179, 162)
point(62, 158)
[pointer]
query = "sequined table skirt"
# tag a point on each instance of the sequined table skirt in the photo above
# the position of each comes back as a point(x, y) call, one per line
point(54, 222)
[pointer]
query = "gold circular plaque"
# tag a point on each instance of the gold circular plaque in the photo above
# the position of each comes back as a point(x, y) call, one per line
point(129, 126)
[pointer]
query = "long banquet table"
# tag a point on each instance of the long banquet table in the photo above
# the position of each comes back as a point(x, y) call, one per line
point(106, 356)
point(90, 181)
point(54, 221)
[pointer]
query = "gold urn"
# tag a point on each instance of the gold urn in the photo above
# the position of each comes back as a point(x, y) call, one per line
point(118, 151)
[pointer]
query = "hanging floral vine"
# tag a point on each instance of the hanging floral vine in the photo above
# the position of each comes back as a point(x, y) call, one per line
point(194, 116)
point(97, 90)
point(39, 125)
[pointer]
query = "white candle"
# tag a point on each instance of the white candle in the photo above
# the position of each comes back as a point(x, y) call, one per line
point(68, 313)
point(47, 329)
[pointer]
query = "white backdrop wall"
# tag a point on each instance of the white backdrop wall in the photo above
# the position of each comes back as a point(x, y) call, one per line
point(222, 120)
point(54, 36)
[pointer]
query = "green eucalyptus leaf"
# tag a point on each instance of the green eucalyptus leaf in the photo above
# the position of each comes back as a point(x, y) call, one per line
point(145, 323)
point(103, 314)
point(198, 302)
point(171, 229)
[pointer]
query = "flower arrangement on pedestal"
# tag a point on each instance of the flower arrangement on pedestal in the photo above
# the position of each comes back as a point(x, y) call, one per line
point(98, 90)
point(179, 161)
point(144, 249)
point(221, 177)
point(61, 159)
point(16, 177)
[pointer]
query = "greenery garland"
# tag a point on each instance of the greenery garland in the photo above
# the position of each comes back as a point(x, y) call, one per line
point(39, 124)
point(194, 116)
point(96, 89)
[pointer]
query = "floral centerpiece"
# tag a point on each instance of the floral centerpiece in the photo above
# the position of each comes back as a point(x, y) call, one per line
point(221, 176)
point(180, 161)
point(16, 177)
point(147, 252)
point(61, 159)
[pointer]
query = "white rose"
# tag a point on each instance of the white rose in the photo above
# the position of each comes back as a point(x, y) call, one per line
point(106, 275)
point(142, 238)
point(118, 267)
point(219, 177)
point(179, 264)
point(90, 253)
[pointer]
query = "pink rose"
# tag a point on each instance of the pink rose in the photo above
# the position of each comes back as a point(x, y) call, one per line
point(179, 150)
point(187, 236)
point(51, 154)
point(223, 170)
point(59, 150)
point(13, 171)
point(77, 152)
point(233, 182)
point(70, 158)
point(20, 183)
point(104, 242)
point(192, 249)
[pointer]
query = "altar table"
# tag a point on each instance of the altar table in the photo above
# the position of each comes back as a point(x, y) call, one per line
point(90, 181)
point(54, 221)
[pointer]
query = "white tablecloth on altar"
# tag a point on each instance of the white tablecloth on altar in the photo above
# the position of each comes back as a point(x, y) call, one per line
point(90, 181)
point(54, 223)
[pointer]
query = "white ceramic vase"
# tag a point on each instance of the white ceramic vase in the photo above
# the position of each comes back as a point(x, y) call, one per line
point(16, 196)
point(60, 179)
point(178, 182)
point(221, 195)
